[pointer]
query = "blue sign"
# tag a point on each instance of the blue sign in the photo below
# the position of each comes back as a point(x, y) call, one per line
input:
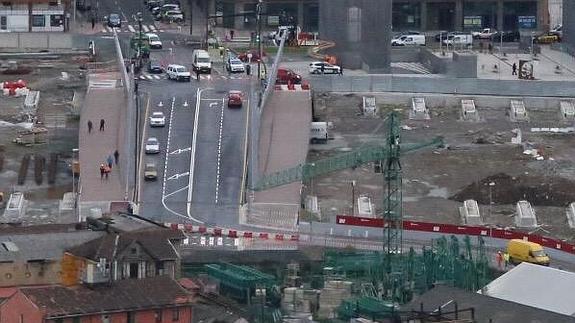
point(527, 22)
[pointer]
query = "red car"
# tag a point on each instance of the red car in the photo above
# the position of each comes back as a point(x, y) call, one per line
point(286, 76)
point(255, 55)
point(235, 99)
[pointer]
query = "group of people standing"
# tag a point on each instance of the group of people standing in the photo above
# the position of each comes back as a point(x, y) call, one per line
point(106, 168)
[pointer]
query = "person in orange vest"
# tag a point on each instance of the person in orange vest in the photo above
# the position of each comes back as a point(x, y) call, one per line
point(102, 171)
point(499, 259)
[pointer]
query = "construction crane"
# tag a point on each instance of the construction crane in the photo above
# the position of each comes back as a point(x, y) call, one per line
point(387, 158)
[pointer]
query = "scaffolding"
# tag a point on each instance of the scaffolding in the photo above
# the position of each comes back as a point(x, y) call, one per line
point(241, 282)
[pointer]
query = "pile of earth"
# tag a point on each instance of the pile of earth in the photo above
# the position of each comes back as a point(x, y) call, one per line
point(538, 190)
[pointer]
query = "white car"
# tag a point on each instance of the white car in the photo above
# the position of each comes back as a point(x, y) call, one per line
point(152, 146)
point(486, 33)
point(157, 119)
point(178, 72)
point(174, 16)
point(154, 40)
point(235, 65)
point(316, 68)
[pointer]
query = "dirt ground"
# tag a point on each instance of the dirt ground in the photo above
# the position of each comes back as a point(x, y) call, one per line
point(436, 181)
point(58, 112)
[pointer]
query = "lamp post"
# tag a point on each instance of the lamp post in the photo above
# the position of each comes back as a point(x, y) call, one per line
point(532, 42)
point(352, 198)
point(139, 19)
point(259, 35)
point(74, 188)
point(491, 185)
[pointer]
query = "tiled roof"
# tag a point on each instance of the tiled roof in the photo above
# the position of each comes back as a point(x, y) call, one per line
point(154, 241)
point(123, 295)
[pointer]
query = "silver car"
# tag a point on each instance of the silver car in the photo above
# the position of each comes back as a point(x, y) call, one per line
point(152, 146)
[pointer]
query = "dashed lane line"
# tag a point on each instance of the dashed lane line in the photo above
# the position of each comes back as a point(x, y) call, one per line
point(218, 170)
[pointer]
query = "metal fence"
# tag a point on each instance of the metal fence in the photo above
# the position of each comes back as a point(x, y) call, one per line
point(432, 84)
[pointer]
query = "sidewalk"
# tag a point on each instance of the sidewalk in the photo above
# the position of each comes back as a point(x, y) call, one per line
point(103, 101)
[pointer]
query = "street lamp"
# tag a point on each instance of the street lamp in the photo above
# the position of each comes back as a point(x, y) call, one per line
point(532, 41)
point(491, 185)
point(139, 19)
point(259, 35)
point(352, 198)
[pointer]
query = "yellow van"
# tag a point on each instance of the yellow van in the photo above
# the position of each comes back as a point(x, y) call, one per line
point(521, 250)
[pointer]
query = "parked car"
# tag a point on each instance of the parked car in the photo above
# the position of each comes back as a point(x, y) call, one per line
point(150, 172)
point(154, 41)
point(459, 40)
point(316, 68)
point(285, 76)
point(154, 3)
point(235, 99)
point(557, 30)
point(113, 20)
point(173, 16)
point(152, 146)
point(234, 65)
point(154, 67)
point(157, 119)
point(486, 33)
point(443, 35)
point(178, 73)
point(508, 36)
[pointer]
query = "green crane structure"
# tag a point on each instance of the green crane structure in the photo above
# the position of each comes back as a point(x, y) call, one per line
point(387, 157)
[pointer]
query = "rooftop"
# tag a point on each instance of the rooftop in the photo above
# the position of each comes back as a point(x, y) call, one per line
point(485, 308)
point(537, 286)
point(123, 295)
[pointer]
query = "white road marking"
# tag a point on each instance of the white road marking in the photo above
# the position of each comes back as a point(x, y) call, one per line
point(160, 104)
point(218, 170)
point(145, 28)
point(214, 104)
point(157, 77)
point(185, 104)
point(131, 29)
point(179, 151)
point(148, 76)
point(176, 176)
point(153, 28)
point(245, 161)
point(176, 191)
point(193, 154)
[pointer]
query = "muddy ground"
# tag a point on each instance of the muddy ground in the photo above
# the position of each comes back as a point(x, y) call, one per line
point(58, 111)
point(436, 181)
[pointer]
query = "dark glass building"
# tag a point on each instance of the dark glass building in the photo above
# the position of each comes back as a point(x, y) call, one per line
point(569, 25)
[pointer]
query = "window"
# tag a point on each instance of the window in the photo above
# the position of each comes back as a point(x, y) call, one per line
point(3, 22)
point(134, 251)
point(176, 314)
point(56, 20)
point(131, 317)
point(76, 320)
point(38, 21)
point(133, 270)
point(158, 316)
point(105, 318)
point(58, 320)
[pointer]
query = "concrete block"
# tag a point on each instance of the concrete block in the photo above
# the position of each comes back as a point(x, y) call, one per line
point(369, 108)
point(517, 111)
point(365, 207)
point(33, 40)
point(571, 215)
point(9, 40)
point(16, 206)
point(419, 110)
point(525, 217)
point(59, 40)
point(470, 213)
point(468, 110)
point(567, 110)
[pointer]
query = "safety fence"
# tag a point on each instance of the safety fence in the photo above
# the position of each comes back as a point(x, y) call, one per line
point(461, 229)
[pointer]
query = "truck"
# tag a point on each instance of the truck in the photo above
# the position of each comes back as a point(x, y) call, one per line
point(140, 42)
point(409, 40)
point(526, 251)
point(318, 133)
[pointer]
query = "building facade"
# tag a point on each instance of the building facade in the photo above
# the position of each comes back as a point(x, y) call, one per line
point(569, 25)
point(407, 14)
point(34, 15)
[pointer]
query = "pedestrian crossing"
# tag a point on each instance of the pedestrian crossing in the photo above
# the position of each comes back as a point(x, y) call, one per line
point(414, 67)
point(147, 76)
point(131, 29)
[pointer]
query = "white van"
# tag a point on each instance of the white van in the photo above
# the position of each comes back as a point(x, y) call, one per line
point(201, 61)
point(409, 40)
point(459, 40)
point(318, 132)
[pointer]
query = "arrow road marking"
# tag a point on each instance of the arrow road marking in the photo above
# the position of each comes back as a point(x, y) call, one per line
point(185, 104)
point(160, 104)
point(176, 176)
point(214, 104)
point(179, 151)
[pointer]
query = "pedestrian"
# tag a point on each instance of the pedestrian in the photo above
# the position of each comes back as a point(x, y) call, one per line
point(107, 171)
point(514, 69)
point(499, 259)
point(198, 75)
point(102, 123)
point(506, 259)
point(102, 171)
point(481, 47)
point(110, 161)
point(248, 69)
point(90, 126)
point(93, 22)
point(116, 156)
point(322, 68)
point(490, 48)
point(232, 32)
point(341, 69)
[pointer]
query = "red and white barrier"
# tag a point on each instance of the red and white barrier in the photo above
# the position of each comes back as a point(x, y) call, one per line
point(232, 233)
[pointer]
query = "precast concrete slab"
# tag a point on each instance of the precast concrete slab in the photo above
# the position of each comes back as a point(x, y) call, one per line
point(468, 110)
point(567, 110)
point(470, 213)
point(525, 217)
point(517, 111)
point(369, 107)
point(571, 215)
point(418, 110)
